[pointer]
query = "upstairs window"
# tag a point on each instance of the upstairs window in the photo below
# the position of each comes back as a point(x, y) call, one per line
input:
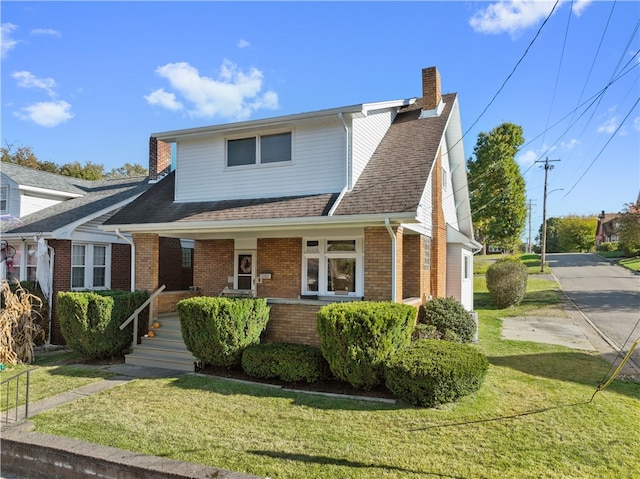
point(259, 150)
point(4, 197)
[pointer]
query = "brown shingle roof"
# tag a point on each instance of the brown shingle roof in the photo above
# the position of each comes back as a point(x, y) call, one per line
point(397, 173)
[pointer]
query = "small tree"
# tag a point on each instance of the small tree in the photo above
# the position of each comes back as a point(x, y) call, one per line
point(629, 228)
point(576, 233)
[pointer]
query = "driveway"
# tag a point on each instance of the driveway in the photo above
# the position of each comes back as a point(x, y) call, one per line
point(607, 294)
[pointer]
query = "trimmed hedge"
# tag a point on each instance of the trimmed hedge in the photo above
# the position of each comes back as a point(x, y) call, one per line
point(217, 330)
point(90, 321)
point(431, 372)
point(507, 282)
point(285, 361)
point(356, 338)
point(449, 318)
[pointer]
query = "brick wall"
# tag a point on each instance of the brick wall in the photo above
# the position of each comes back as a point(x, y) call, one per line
point(121, 267)
point(170, 263)
point(377, 264)
point(159, 158)
point(439, 239)
point(166, 301)
point(147, 257)
point(212, 265)
point(293, 323)
point(61, 282)
point(282, 258)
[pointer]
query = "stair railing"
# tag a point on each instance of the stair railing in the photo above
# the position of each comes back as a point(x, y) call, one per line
point(7, 384)
point(136, 313)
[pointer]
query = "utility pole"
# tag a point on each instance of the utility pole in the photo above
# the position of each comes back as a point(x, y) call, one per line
point(529, 248)
point(543, 249)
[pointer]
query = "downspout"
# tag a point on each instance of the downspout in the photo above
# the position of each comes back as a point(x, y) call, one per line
point(346, 164)
point(133, 258)
point(393, 259)
point(52, 255)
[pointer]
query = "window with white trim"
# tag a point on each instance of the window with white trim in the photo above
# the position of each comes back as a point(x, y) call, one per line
point(90, 266)
point(332, 267)
point(259, 150)
point(4, 199)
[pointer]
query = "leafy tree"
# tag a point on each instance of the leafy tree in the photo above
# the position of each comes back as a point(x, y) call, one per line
point(24, 156)
point(497, 188)
point(577, 233)
point(629, 228)
point(553, 240)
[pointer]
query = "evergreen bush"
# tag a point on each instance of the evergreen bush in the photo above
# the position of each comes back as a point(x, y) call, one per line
point(449, 319)
point(90, 321)
point(507, 282)
point(609, 246)
point(356, 338)
point(286, 361)
point(217, 329)
point(432, 372)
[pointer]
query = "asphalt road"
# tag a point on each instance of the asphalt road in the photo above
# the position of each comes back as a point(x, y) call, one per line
point(609, 295)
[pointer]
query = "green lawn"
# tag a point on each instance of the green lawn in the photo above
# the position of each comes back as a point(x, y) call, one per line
point(631, 263)
point(481, 263)
point(531, 418)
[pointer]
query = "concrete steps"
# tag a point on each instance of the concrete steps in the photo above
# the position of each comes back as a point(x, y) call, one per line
point(165, 350)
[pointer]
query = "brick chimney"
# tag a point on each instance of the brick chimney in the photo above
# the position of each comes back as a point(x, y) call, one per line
point(431, 92)
point(159, 159)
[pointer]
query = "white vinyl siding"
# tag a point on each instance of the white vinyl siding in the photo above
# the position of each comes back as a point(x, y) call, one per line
point(30, 204)
point(460, 287)
point(318, 152)
point(4, 199)
point(367, 135)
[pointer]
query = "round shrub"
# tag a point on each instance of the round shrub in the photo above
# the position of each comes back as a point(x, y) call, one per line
point(449, 319)
point(356, 338)
point(507, 282)
point(431, 372)
point(217, 329)
point(609, 246)
point(285, 361)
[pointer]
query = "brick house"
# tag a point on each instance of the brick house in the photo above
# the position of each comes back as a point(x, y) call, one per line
point(65, 213)
point(607, 228)
point(363, 202)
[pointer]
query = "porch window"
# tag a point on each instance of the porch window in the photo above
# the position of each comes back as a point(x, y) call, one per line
point(332, 267)
point(259, 150)
point(89, 266)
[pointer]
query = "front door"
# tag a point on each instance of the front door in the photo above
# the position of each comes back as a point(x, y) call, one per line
point(244, 271)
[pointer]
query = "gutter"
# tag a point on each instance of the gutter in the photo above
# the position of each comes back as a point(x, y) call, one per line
point(133, 258)
point(346, 173)
point(393, 259)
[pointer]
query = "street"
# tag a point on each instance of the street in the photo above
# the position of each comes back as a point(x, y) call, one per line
point(609, 295)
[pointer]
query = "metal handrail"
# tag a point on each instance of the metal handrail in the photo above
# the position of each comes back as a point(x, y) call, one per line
point(136, 313)
point(7, 381)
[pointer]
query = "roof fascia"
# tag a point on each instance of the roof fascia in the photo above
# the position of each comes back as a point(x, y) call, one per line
point(48, 191)
point(264, 224)
point(360, 109)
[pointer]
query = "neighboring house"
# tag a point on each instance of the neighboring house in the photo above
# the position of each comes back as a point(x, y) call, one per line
point(65, 212)
point(363, 202)
point(607, 229)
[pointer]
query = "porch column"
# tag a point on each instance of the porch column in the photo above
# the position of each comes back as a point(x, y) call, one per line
point(378, 260)
point(147, 261)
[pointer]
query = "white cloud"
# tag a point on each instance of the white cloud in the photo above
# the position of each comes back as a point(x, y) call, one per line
point(527, 158)
point(243, 43)
point(48, 113)
point(7, 43)
point(579, 6)
point(609, 126)
point(164, 99)
point(510, 16)
point(571, 144)
point(235, 94)
point(29, 80)
point(636, 123)
point(46, 31)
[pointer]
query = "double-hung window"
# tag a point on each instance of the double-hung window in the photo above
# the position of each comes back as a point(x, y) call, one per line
point(332, 267)
point(259, 150)
point(89, 266)
point(4, 199)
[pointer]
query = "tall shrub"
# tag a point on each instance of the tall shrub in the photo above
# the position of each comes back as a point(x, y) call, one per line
point(90, 321)
point(507, 282)
point(356, 338)
point(217, 330)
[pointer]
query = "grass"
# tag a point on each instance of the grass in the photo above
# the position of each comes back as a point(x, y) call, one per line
point(481, 263)
point(631, 263)
point(531, 418)
point(49, 375)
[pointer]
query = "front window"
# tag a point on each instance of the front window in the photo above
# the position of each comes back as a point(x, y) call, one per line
point(332, 267)
point(4, 199)
point(259, 150)
point(89, 266)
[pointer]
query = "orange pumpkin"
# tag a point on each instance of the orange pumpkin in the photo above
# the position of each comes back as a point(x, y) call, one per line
point(151, 334)
point(155, 325)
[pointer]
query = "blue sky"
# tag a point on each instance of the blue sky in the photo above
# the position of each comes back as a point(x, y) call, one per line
point(90, 81)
